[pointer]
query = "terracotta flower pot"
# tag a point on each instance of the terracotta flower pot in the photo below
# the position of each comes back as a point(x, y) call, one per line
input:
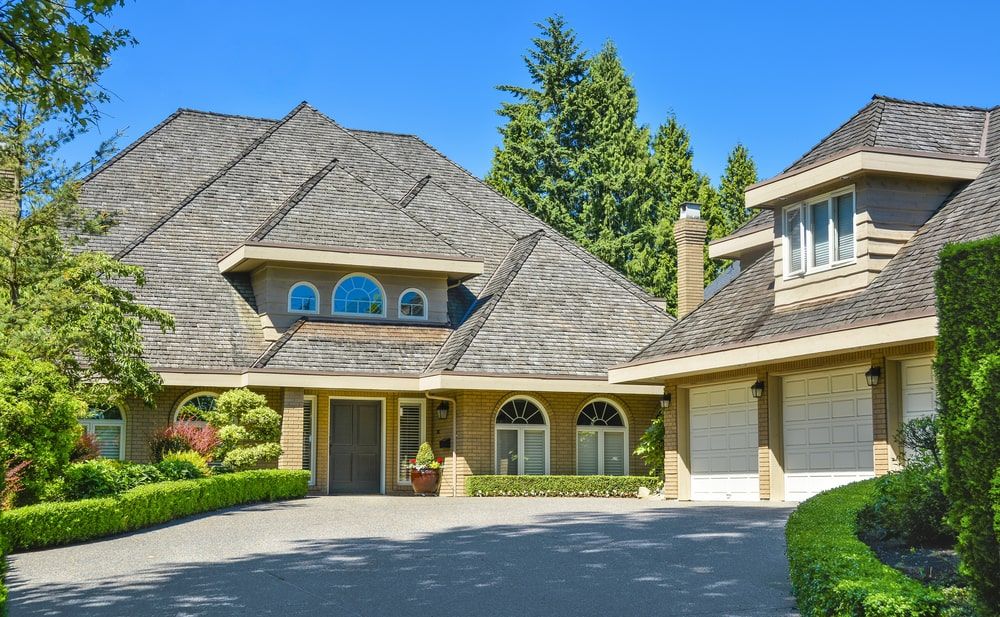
point(425, 482)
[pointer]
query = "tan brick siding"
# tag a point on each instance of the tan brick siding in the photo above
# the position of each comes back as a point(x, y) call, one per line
point(763, 442)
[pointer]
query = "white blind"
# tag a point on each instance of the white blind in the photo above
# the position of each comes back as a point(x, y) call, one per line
point(845, 226)
point(793, 232)
point(109, 440)
point(534, 453)
point(586, 453)
point(409, 437)
point(507, 452)
point(614, 454)
point(821, 233)
point(307, 436)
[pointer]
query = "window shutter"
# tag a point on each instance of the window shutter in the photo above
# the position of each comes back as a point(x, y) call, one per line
point(845, 227)
point(307, 437)
point(614, 453)
point(109, 440)
point(586, 453)
point(409, 437)
point(534, 453)
point(821, 233)
point(793, 234)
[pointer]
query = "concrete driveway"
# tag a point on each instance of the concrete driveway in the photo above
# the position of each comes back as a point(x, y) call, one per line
point(423, 556)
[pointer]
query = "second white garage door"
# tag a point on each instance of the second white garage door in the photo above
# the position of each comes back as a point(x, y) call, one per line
point(827, 431)
point(724, 443)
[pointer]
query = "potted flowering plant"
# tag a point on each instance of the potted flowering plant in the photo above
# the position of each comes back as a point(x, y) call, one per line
point(425, 471)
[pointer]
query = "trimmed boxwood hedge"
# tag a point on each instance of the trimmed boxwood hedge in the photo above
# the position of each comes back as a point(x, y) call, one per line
point(835, 573)
point(558, 486)
point(50, 524)
point(3, 571)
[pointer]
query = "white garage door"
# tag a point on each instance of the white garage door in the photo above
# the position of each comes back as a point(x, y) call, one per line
point(919, 393)
point(827, 431)
point(724, 443)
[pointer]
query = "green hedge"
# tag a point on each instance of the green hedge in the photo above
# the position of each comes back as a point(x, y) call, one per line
point(49, 524)
point(968, 377)
point(558, 486)
point(3, 571)
point(835, 573)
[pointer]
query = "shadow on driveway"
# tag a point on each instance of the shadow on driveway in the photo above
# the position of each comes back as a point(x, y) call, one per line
point(656, 560)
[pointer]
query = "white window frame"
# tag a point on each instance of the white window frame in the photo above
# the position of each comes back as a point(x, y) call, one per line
point(312, 438)
point(399, 305)
point(601, 431)
point(806, 235)
point(520, 428)
point(315, 293)
point(333, 297)
point(90, 427)
point(405, 478)
point(188, 399)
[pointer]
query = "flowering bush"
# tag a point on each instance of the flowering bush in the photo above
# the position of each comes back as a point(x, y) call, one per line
point(184, 437)
point(86, 448)
point(425, 459)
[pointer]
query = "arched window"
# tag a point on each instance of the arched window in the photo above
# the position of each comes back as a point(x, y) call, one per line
point(522, 438)
point(107, 424)
point(412, 304)
point(601, 440)
point(194, 408)
point(303, 298)
point(358, 294)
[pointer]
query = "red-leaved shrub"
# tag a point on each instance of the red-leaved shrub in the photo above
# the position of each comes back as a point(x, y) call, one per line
point(12, 483)
point(182, 437)
point(86, 448)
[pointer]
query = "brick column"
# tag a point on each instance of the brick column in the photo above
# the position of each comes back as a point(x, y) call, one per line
point(671, 446)
point(764, 440)
point(292, 423)
point(689, 234)
point(880, 421)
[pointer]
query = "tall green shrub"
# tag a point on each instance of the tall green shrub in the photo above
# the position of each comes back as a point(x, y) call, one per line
point(968, 377)
point(249, 430)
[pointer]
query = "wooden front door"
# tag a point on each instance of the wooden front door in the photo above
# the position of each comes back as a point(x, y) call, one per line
point(355, 446)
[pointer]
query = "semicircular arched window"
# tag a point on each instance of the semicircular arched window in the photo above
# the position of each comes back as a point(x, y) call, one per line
point(413, 304)
point(601, 440)
point(107, 424)
point(195, 408)
point(303, 298)
point(358, 294)
point(522, 438)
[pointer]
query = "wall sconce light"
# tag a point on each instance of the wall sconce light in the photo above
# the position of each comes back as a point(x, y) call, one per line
point(442, 409)
point(757, 389)
point(665, 401)
point(873, 375)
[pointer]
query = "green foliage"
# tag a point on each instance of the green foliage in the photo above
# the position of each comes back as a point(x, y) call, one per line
point(834, 573)
point(967, 369)
point(573, 153)
point(184, 466)
point(104, 477)
point(650, 447)
point(919, 440)
point(248, 429)
point(50, 524)
point(425, 455)
point(38, 421)
point(558, 486)
point(3, 574)
point(909, 505)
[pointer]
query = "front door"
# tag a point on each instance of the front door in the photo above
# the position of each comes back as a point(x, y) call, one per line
point(355, 446)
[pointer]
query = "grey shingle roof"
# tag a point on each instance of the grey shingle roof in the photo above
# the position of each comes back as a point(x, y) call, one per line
point(743, 313)
point(200, 184)
point(893, 123)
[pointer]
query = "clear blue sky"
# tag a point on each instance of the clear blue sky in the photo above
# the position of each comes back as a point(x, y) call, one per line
point(776, 76)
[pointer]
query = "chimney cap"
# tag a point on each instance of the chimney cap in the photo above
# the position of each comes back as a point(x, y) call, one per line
point(690, 210)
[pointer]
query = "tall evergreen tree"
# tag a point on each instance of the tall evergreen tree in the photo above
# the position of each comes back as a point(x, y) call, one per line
point(740, 173)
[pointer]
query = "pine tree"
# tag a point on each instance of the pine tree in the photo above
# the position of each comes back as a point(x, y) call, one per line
point(740, 173)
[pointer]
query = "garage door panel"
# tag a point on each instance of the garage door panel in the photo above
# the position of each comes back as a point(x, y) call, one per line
point(796, 437)
point(795, 413)
point(819, 411)
point(723, 443)
point(843, 383)
point(844, 409)
point(819, 436)
point(845, 434)
point(818, 385)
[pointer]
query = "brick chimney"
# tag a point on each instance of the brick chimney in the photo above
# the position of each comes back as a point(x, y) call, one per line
point(8, 197)
point(689, 233)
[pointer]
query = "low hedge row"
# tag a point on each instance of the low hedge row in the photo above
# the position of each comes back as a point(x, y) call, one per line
point(558, 486)
point(835, 573)
point(50, 524)
point(3, 571)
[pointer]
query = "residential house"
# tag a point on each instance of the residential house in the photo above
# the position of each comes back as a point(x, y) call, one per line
point(379, 296)
point(796, 375)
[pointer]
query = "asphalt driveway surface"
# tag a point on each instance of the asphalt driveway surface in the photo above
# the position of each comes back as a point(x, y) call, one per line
point(422, 556)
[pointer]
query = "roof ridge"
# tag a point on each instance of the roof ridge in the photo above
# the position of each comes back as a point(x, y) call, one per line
point(276, 346)
point(878, 124)
point(984, 138)
point(413, 192)
point(279, 214)
point(376, 132)
point(490, 297)
point(209, 182)
point(219, 114)
point(142, 138)
point(890, 99)
point(829, 135)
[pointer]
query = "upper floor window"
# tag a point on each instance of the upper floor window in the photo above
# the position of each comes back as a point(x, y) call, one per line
point(358, 294)
point(413, 304)
point(819, 233)
point(303, 298)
